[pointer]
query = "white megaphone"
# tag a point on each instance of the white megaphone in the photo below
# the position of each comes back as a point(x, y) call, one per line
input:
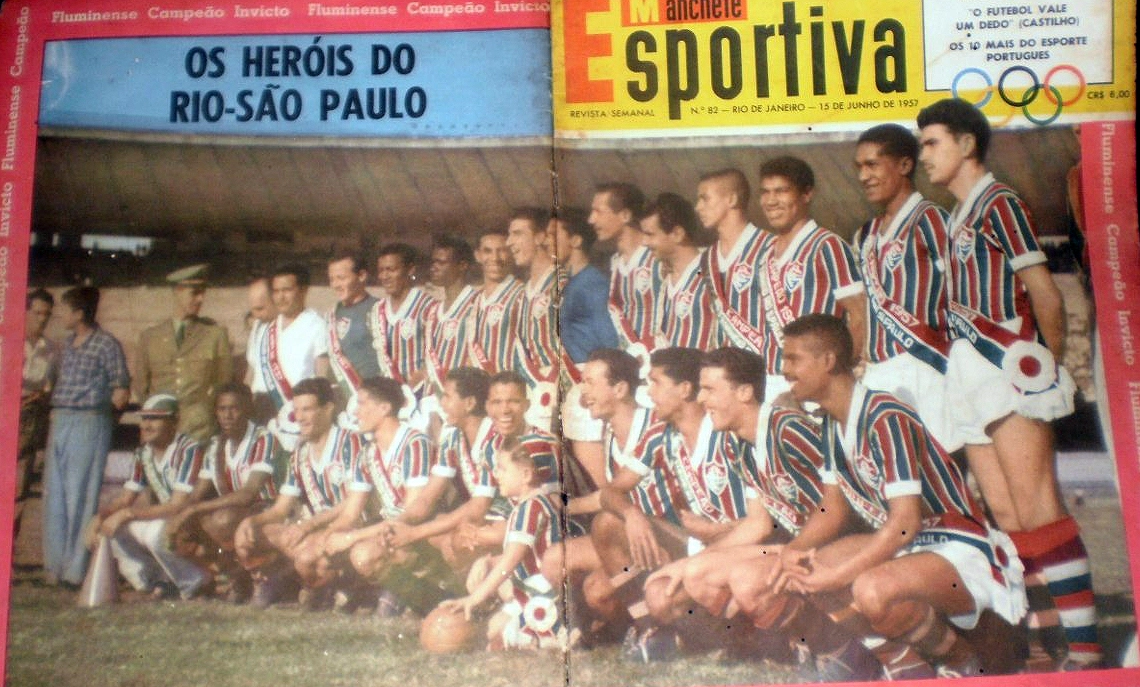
point(101, 586)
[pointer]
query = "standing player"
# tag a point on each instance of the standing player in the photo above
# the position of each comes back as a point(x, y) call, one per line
point(295, 348)
point(165, 472)
point(804, 268)
point(187, 355)
point(351, 355)
point(404, 321)
point(635, 275)
point(236, 481)
point(902, 256)
point(451, 259)
point(320, 472)
point(582, 327)
point(493, 328)
point(672, 233)
point(729, 265)
point(931, 564)
point(1007, 323)
point(537, 348)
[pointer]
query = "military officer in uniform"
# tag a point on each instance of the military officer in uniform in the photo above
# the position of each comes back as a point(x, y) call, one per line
point(187, 356)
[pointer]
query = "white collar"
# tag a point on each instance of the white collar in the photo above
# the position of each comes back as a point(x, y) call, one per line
point(746, 236)
point(624, 267)
point(962, 210)
point(850, 428)
point(673, 282)
point(805, 232)
point(889, 232)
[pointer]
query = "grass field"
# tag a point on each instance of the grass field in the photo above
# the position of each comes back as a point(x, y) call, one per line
point(53, 643)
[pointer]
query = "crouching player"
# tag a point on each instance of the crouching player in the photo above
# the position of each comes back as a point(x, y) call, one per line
point(529, 617)
point(463, 401)
point(931, 569)
point(166, 468)
point(293, 531)
point(236, 481)
point(395, 467)
point(778, 456)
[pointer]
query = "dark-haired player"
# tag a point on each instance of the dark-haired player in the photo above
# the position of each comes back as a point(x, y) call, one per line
point(635, 274)
point(1007, 323)
point(671, 232)
point(403, 322)
point(804, 268)
point(902, 256)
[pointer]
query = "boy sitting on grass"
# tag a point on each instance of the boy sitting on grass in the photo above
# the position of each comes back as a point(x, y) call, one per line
point(529, 616)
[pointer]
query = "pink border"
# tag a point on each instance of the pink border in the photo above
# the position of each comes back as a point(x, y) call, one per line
point(1117, 138)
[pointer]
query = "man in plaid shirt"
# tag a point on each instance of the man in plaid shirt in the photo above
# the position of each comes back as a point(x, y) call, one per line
point(93, 383)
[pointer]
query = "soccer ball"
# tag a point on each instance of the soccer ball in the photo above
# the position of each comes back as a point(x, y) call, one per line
point(445, 631)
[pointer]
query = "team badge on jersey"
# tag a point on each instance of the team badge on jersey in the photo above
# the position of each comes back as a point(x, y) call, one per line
point(793, 276)
point(495, 313)
point(336, 472)
point(894, 255)
point(868, 470)
point(964, 244)
point(785, 486)
point(450, 327)
point(342, 326)
point(539, 306)
point(716, 477)
point(407, 329)
point(642, 279)
point(684, 304)
point(741, 276)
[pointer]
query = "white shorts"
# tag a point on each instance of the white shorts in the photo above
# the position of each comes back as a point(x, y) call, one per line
point(978, 393)
point(989, 567)
point(577, 423)
point(919, 386)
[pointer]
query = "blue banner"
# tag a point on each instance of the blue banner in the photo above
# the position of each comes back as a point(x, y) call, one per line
point(419, 85)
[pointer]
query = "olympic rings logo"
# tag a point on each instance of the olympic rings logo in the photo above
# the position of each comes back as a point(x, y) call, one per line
point(1029, 96)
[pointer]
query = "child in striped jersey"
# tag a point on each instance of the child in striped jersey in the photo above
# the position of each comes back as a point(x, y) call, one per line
point(529, 617)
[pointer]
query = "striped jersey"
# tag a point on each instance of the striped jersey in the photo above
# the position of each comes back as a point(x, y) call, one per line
point(815, 272)
point(404, 464)
point(658, 494)
point(401, 335)
point(688, 318)
point(447, 346)
point(176, 469)
point(635, 287)
point(228, 465)
point(735, 287)
point(711, 487)
point(495, 326)
point(534, 522)
point(539, 340)
point(455, 458)
point(910, 260)
point(322, 481)
point(782, 470)
point(991, 238)
point(882, 452)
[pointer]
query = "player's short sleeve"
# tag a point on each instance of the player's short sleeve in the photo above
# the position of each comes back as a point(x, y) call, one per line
point(799, 450)
point(209, 461)
point(445, 461)
point(188, 469)
point(1009, 222)
point(896, 441)
point(416, 460)
point(261, 454)
point(364, 463)
point(837, 260)
point(293, 482)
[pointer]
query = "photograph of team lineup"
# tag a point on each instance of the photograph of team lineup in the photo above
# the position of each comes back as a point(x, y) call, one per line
point(673, 401)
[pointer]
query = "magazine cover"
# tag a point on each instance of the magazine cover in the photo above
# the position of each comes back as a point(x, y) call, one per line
point(447, 343)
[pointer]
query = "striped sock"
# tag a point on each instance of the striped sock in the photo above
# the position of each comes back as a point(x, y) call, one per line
point(1057, 552)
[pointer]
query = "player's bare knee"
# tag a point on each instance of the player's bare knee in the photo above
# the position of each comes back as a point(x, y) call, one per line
point(599, 595)
point(873, 594)
point(365, 557)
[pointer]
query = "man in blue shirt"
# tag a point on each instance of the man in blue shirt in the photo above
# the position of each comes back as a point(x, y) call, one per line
point(584, 325)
